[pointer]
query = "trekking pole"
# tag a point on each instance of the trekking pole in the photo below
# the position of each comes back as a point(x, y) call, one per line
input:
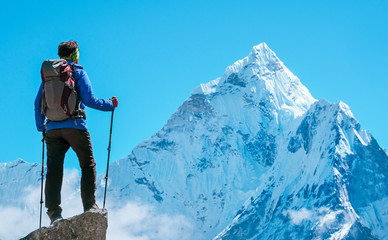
point(41, 186)
point(107, 166)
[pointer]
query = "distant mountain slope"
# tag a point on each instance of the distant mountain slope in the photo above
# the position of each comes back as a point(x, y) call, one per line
point(329, 183)
point(14, 178)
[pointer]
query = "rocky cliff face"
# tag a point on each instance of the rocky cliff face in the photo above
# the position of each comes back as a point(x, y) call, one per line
point(323, 187)
point(87, 226)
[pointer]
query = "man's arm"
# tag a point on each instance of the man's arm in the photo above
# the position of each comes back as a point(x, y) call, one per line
point(87, 96)
point(39, 117)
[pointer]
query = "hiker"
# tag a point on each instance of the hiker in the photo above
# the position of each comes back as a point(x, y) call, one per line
point(64, 129)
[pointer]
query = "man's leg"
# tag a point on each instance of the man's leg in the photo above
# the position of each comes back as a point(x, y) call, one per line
point(81, 144)
point(56, 150)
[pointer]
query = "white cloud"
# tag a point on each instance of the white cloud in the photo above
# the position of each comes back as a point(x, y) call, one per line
point(297, 216)
point(21, 221)
point(137, 221)
point(15, 222)
point(324, 219)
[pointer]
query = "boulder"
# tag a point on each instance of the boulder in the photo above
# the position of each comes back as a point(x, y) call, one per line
point(91, 225)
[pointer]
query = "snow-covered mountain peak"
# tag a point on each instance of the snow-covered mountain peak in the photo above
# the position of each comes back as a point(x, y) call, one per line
point(18, 163)
point(261, 57)
point(262, 47)
point(345, 109)
point(339, 118)
point(337, 109)
point(263, 54)
point(261, 79)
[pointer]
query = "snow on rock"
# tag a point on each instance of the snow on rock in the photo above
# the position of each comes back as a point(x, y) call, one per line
point(313, 189)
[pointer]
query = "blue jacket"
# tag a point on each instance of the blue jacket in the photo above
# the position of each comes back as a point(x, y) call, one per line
point(84, 88)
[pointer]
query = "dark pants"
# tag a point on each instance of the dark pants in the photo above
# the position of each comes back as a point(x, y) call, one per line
point(58, 141)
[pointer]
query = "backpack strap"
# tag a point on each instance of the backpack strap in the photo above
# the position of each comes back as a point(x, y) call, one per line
point(78, 113)
point(67, 78)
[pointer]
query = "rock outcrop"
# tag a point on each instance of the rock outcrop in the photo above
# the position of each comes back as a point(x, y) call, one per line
point(87, 226)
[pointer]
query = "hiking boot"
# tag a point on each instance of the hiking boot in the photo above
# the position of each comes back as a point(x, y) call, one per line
point(93, 208)
point(54, 216)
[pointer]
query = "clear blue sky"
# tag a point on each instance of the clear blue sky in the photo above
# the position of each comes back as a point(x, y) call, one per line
point(152, 54)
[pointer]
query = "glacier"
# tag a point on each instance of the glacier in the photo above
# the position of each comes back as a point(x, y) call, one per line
point(251, 155)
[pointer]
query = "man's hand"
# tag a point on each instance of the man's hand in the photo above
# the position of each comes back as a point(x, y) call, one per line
point(115, 101)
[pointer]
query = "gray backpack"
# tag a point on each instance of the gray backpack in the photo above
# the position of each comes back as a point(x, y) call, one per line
point(60, 100)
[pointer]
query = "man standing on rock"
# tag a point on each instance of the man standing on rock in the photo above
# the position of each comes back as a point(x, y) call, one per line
point(62, 97)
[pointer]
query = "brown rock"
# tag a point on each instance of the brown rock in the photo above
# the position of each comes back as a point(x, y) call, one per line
point(90, 225)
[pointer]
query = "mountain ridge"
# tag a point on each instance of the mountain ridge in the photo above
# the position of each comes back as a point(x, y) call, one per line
point(325, 210)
